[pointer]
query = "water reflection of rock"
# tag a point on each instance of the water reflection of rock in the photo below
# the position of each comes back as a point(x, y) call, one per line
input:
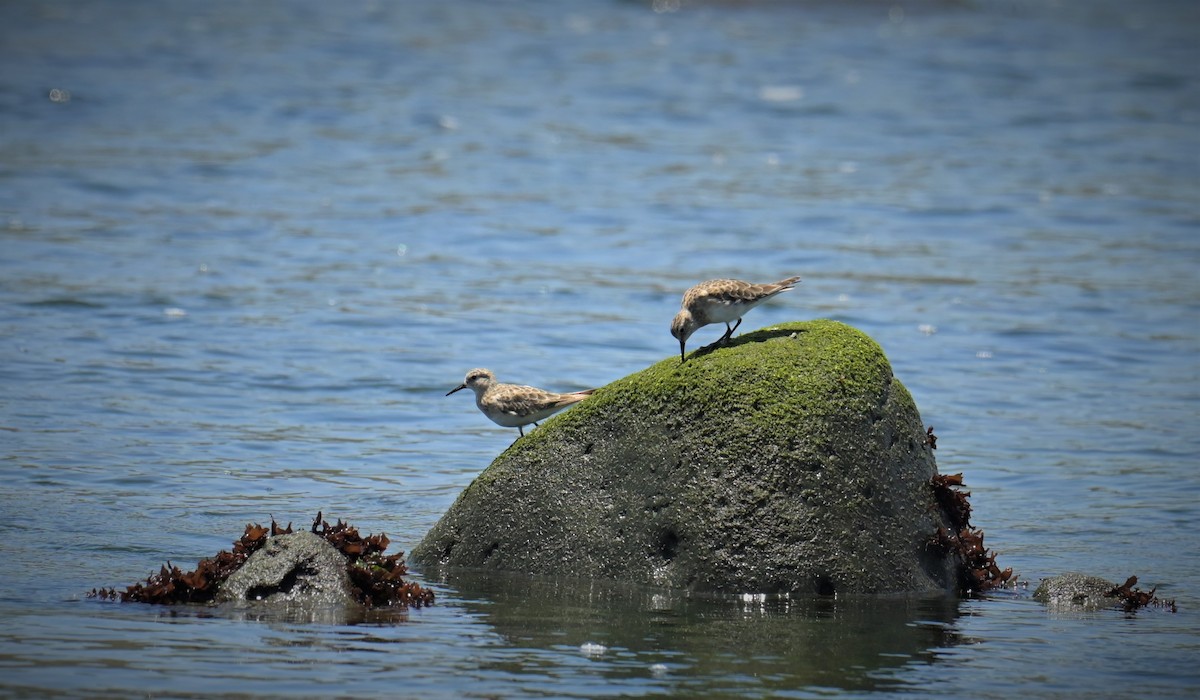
point(303, 614)
point(677, 638)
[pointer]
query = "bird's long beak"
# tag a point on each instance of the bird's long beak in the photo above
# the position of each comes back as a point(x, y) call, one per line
point(682, 352)
point(460, 386)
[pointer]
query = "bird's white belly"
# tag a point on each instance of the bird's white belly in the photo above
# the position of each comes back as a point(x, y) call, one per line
point(724, 313)
point(513, 420)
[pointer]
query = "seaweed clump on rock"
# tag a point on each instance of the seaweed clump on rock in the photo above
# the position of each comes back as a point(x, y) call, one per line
point(377, 579)
point(978, 570)
point(373, 578)
point(1133, 598)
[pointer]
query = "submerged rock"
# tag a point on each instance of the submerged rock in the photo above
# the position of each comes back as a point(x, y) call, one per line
point(1081, 592)
point(300, 567)
point(324, 569)
point(788, 460)
point(1075, 590)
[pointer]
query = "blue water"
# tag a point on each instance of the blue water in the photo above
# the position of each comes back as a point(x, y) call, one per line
point(245, 248)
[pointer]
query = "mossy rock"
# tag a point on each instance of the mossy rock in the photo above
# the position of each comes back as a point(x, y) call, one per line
point(788, 460)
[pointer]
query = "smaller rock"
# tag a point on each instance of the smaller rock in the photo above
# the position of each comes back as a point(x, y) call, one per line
point(1076, 591)
point(295, 568)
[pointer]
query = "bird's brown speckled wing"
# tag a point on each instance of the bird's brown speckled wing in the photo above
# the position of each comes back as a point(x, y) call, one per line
point(732, 291)
point(528, 400)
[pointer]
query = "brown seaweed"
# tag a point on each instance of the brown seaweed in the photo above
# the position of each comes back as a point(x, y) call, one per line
point(953, 502)
point(977, 570)
point(376, 578)
point(1133, 598)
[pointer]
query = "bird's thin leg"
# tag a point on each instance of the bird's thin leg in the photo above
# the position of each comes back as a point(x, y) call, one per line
point(520, 430)
point(729, 330)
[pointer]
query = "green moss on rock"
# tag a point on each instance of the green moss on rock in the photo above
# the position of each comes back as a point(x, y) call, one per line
point(788, 460)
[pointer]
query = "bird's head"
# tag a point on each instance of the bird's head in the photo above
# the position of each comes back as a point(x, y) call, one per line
point(477, 379)
point(682, 327)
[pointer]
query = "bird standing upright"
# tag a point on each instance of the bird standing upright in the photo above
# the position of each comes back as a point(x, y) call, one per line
point(513, 405)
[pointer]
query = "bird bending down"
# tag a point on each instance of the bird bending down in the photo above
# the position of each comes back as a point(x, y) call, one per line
point(721, 301)
point(513, 405)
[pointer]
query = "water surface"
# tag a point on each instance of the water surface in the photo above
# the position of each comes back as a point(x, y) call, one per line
point(246, 249)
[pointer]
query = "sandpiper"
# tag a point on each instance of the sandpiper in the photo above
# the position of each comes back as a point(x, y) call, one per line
point(513, 405)
point(721, 301)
